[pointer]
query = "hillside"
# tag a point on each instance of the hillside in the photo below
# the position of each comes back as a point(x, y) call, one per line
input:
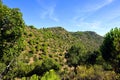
point(53, 43)
point(56, 41)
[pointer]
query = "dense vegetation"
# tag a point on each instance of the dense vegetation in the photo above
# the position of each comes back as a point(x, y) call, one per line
point(27, 53)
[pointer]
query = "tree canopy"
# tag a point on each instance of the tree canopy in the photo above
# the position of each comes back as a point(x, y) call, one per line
point(11, 28)
point(111, 48)
point(76, 55)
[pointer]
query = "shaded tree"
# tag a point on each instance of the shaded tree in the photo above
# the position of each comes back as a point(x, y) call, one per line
point(92, 57)
point(76, 55)
point(111, 48)
point(11, 27)
point(45, 65)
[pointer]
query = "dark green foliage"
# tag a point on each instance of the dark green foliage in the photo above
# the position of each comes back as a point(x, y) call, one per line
point(31, 26)
point(76, 55)
point(92, 57)
point(11, 41)
point(45, 65)
point(111, 48)
point(11, 28)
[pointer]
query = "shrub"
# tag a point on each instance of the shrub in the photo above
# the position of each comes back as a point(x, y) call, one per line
point(51, 75)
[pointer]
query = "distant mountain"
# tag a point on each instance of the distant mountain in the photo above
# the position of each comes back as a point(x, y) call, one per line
point(90, 39)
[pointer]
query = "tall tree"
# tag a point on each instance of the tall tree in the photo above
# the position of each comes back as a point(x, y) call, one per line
point(111, 48)
point(11, 29)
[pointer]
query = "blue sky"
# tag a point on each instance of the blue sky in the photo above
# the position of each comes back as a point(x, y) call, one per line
point(74, 15)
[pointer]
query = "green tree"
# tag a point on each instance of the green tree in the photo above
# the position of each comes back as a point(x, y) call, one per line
point(11, 29)
point(111, 49)
point(76, 55)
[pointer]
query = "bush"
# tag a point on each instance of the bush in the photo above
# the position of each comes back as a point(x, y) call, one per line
point(51, 75)
point(95, 72)
point(44, 65)
point(34, 77)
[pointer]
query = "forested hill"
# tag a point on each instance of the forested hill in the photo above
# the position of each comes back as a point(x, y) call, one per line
point(59, 37)
point(55, 42)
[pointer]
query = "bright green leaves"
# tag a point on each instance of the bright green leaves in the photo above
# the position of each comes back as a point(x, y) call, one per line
point(51, 75)
point(33, 77)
